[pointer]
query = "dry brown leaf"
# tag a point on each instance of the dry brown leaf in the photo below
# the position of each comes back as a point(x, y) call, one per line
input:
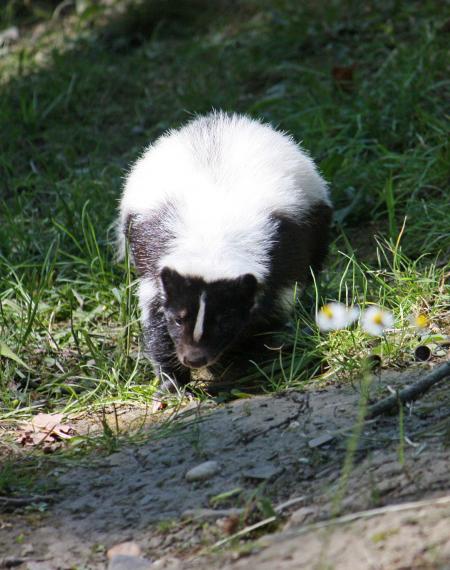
point(26, 438)
point(46, 421)
point(343, 76)
point(46, 430)
point(158, 406)
point(230, 524)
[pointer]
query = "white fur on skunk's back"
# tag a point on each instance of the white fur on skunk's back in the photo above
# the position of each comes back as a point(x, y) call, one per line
point(223, 175)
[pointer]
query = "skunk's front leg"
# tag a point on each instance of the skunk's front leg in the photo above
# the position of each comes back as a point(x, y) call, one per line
point(159, 348)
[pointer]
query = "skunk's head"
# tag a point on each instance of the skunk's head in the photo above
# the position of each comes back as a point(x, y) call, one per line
point(204, 319)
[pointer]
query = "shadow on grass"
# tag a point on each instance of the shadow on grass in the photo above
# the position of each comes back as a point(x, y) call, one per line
point(71, 128)
point(83, 98)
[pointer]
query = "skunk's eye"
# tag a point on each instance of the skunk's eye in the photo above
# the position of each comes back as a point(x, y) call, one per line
point(180, 319)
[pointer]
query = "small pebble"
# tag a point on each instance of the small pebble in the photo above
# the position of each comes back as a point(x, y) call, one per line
point(129, 548)
point(167, 563)
point(203, 471)
point(262, 472)
point(320, 440)
point(27, 549)
point(300, 515)
point(125, 562)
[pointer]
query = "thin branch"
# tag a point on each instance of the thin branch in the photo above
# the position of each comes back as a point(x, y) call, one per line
point(351, 517)
point(22, 501)
point(411, 392)
point(13, 561)
point(334, 521)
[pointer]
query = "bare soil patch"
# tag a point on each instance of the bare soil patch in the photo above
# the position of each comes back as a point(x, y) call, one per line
point(270, 449)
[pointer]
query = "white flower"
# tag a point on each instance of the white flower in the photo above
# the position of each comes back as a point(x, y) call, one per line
point(334, 316)
point(375, 320)
point(419, 321)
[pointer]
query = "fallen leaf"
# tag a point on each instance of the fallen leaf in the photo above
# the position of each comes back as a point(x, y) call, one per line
point(45, 430)
point(343, 76)
point(26, 438)
point(158, 406)
point(46, 421)
point(229, 525)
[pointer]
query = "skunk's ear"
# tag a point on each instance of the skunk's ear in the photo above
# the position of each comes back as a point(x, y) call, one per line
point(173, 283)
point(248, 286)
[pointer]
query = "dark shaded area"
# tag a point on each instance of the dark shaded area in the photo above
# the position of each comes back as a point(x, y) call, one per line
point(74, 126)
point(26, 12)
point(141, 21)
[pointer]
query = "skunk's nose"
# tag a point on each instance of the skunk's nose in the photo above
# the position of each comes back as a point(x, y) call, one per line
point(195, 362)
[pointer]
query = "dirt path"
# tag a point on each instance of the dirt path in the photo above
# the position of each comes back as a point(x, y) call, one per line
point(416, 538)
point(268, 450)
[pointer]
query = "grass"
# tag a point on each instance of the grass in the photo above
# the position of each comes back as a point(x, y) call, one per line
point(80, 96)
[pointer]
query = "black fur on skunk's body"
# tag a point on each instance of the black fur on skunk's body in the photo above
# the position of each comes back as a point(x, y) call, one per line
point(223, 217)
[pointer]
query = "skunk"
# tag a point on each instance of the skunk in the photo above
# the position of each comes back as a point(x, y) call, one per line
point(223, 217)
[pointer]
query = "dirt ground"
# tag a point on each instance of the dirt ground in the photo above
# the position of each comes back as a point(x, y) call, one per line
point(288, 455)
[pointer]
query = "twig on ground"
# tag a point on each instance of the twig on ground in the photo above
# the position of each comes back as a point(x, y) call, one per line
point(410, 393)
point(13, 561)
point(291, 502)
point(351, 517)
point(335, 521)
point(22, 501)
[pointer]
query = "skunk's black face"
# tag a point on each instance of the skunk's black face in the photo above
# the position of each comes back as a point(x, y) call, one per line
point(204, 319)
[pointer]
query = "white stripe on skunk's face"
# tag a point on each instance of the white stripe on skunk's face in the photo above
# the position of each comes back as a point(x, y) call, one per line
point(200, 320)
point(204, 319)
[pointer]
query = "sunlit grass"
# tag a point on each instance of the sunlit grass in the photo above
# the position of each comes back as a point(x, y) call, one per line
point(78, 103)
point(402, 286)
